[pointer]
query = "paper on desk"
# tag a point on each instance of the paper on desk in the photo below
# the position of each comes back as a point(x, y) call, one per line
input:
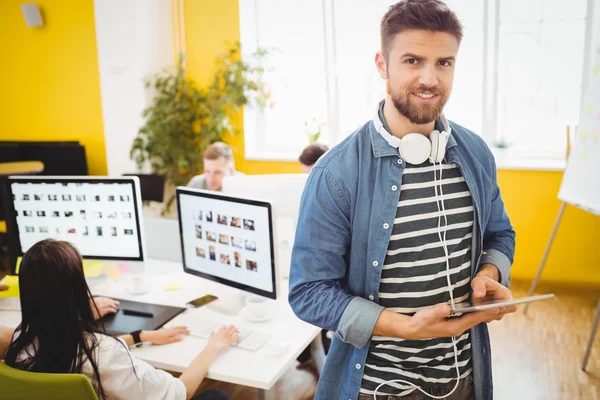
point(102, 287)
point(171, 286)
point(12, 281)
point(92, 269)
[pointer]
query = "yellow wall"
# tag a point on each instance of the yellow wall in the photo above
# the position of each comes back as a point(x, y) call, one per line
point(50, 80)
point(530, 196)
point(532, 205)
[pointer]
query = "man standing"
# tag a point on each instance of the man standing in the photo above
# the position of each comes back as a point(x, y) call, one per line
point(218, 163)
point(398, 222)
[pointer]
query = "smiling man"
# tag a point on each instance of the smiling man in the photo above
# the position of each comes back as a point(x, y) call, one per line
point(398, 223)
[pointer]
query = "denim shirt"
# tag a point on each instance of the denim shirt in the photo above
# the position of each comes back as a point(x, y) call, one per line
point(344, 226)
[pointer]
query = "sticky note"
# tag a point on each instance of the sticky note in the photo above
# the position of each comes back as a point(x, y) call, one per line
point(12, 281)
point(123, 268)
point(92, 269)
point(112, 272)
point(171, 286)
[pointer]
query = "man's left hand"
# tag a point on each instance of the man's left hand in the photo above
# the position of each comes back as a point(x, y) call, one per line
point(486, 287)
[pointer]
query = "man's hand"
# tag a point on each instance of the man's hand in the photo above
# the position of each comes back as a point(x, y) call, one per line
point(433, 322)
point(486, 287)
point(3, 287)
point(429, 323)
point(105, 306)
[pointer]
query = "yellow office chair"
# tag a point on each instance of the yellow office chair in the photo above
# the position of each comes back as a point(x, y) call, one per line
point(22, 385)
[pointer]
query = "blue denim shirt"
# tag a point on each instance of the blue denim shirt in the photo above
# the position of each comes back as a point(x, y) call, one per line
point(341, 242)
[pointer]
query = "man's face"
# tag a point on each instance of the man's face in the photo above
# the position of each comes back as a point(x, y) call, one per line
point(215, 171)
point(419, 72)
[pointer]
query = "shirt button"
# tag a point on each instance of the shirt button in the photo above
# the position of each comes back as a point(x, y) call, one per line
point(357, 366)
point(394, 188)
point(375, 263)
point(386, 226)
point(399, 161)
point(371, 297)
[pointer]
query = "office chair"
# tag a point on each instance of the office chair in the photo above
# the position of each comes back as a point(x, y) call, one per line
point(23, 385)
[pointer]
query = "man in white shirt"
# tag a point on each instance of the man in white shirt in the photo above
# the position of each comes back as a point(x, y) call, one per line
point(218, 163)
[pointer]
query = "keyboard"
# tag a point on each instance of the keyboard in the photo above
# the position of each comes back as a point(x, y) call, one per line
point(248, 340)
point(10, 304)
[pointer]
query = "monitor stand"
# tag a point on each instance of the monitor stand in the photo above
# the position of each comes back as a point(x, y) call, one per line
point(229, 305)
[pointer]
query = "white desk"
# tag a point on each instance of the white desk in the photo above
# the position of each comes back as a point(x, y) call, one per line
point(255, 369)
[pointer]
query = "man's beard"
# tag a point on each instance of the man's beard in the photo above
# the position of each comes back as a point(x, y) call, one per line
point(419, 114)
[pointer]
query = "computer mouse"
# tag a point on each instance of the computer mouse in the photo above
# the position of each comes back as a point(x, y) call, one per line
point(276, 348)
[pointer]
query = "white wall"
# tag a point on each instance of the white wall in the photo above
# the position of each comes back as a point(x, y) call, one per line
point(135, 41)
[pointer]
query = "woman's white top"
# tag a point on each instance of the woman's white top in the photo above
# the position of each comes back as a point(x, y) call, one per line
point(116, 366)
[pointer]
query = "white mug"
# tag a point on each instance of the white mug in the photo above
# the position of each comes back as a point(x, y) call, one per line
point(256, 307)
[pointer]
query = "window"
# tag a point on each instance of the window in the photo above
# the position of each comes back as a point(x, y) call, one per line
point(540, 70)
point(323, 68)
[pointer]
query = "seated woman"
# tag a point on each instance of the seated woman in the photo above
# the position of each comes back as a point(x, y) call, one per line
point(58, 334)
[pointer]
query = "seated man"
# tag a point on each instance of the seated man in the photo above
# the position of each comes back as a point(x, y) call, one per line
point(218, 163)
point(310, 155)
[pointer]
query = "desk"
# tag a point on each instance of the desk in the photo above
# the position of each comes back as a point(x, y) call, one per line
point(254, 369)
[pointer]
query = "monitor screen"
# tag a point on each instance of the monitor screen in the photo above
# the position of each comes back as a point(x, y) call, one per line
point(228, 240)
point(100, 216)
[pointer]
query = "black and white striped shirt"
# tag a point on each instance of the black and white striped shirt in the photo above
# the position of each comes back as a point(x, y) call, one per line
point(414, 277)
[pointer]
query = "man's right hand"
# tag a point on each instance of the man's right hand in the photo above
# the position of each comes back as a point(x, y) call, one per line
point(433, 322)
point(3, 287)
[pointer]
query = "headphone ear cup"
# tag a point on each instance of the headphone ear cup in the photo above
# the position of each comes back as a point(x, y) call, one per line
point(434, 137)
point(438, 146)
point(415, 148)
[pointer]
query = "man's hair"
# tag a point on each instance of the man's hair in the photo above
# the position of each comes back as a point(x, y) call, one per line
point(311, 154)
point(429, 15)
point(217, 150)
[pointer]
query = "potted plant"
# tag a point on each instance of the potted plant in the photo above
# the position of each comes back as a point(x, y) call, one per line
point(312, 130)
point(184, 119)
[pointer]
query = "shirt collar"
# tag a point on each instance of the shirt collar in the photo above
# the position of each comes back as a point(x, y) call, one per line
point(384, 144)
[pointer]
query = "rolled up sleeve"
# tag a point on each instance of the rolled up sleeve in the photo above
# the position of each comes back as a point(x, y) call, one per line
point(358, 321)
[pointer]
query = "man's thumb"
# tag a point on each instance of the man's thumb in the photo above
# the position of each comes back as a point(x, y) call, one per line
point(479, 288)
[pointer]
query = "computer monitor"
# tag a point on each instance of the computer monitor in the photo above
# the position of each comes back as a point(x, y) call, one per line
point(228, 240)
point(101, 216)
point(284, 191)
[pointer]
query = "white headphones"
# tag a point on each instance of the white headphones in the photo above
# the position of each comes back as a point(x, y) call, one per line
point(415, 148)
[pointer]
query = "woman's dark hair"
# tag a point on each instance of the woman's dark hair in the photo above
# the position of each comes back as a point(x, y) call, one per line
point(56, 334)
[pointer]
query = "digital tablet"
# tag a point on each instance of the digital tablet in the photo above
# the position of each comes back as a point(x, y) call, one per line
point(466, 307)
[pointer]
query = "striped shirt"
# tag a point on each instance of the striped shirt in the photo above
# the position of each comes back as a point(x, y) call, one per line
point(414, 277)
